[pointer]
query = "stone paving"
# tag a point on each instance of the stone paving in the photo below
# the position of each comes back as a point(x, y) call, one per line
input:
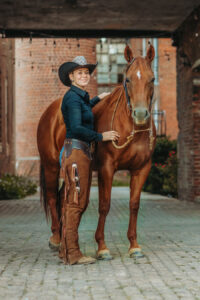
point(168, 231)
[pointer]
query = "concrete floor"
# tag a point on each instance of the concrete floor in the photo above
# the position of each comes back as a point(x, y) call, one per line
point(168, 232)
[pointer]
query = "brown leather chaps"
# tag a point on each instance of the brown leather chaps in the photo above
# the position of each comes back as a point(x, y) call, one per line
point(78, 172)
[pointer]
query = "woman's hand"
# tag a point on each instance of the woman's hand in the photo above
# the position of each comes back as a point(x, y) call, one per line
point(103, 95)
point(110, 136)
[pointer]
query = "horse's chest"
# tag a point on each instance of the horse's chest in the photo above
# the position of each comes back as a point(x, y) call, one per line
point(136, 156)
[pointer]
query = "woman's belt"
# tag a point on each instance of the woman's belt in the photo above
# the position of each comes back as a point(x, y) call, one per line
point(70, 144)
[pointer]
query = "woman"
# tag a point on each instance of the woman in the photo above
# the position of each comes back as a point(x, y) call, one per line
point(77, 113)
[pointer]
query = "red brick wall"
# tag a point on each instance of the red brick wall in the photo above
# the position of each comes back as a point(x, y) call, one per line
point(136, 46)
point(188, 42)
point(37, 85)
point(167, 84)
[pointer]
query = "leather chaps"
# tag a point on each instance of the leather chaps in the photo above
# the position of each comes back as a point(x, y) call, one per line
point(76, 164)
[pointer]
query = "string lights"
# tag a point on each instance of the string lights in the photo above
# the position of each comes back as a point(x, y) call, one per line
point(93, 50)
point(78, 44)
point(69, 41)
point(30, 41)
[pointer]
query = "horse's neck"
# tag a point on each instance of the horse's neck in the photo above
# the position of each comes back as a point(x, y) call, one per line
point(108, 103)
point(121, 117)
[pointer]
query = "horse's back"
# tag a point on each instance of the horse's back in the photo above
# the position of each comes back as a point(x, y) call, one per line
point(51, 132)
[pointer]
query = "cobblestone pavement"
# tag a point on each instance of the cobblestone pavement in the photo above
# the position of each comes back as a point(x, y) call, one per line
point(168, 231)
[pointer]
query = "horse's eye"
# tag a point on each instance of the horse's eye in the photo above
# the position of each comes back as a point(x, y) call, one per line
point(127, 80)
point(152, 80)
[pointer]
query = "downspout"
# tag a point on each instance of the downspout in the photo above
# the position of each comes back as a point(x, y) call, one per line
point(155, 70)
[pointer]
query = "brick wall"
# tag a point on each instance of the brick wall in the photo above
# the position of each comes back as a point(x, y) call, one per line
point(167, 85)
point(188, 52)
point(37, 85)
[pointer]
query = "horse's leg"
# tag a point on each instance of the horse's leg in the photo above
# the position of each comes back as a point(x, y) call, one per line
point(51, 180)
point(137, 181)
point(105, 177)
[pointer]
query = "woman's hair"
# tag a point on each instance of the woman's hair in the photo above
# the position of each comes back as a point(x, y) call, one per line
point(69, 76)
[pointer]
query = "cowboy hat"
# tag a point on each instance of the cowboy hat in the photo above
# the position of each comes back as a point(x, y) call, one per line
point(68, 67)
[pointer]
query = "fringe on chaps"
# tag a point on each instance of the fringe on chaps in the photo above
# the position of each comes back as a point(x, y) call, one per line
point(77, 178)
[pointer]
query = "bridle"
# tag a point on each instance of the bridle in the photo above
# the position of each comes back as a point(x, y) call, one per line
point(126, 90)
point(131, 136)
point(127, 95)
point(125, 86)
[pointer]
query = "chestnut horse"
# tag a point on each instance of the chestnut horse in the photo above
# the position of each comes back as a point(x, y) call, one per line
point(127, 110)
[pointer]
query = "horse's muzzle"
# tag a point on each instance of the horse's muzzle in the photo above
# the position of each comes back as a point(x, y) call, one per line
point(140, 116)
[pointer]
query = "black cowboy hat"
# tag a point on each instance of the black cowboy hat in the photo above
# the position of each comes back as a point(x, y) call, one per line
point(67, 67)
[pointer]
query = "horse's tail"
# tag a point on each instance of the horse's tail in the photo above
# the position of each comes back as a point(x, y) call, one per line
point(43, 193)
point(59, 202)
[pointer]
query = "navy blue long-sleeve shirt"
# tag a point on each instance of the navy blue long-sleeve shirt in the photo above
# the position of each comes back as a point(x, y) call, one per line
point(78, 117)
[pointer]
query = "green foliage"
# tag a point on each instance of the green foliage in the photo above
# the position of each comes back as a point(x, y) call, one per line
point(162, 149)
point(16, 187)
point(120, 183)
point(170, 175)
point(162, 178)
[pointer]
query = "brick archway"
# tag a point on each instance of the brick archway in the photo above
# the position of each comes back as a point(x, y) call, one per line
point(116, 18)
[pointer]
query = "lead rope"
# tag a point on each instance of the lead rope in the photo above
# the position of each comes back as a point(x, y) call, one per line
point(151, 137)
point(131, 136)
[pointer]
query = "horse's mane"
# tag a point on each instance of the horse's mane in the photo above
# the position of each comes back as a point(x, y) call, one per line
point(107, 101)
point(59, 113)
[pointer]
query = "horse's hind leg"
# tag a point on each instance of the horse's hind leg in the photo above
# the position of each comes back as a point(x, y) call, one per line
point(137, 182)
point(105, 177)
point(51, 178)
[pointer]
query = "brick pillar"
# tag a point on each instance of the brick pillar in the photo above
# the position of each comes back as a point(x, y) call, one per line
point(167, 85)
point(7, 107)
point(187, 39)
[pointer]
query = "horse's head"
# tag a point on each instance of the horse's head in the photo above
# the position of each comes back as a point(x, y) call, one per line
point(139, 85)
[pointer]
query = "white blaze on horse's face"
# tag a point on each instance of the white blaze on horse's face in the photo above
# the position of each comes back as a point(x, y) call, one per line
point(138, 74)
point(140, 91)
point(139, 79)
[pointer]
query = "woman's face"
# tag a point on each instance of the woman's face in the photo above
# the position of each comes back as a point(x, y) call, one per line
point(80, 77)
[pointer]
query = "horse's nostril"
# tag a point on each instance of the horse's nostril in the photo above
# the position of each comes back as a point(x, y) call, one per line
point(140, 113)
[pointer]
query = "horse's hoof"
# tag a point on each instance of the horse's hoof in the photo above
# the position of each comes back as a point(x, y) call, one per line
point(104, 255)
point(54, 247)
point(135, 253)
point(54, 242)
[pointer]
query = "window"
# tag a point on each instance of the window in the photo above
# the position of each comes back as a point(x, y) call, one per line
point(111, 63)
point(159, 117)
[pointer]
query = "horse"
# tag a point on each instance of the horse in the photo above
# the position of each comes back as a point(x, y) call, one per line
point(128, 110)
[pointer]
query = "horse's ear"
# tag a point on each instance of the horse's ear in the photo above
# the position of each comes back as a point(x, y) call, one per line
point(150, 53)
point(128, 54)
